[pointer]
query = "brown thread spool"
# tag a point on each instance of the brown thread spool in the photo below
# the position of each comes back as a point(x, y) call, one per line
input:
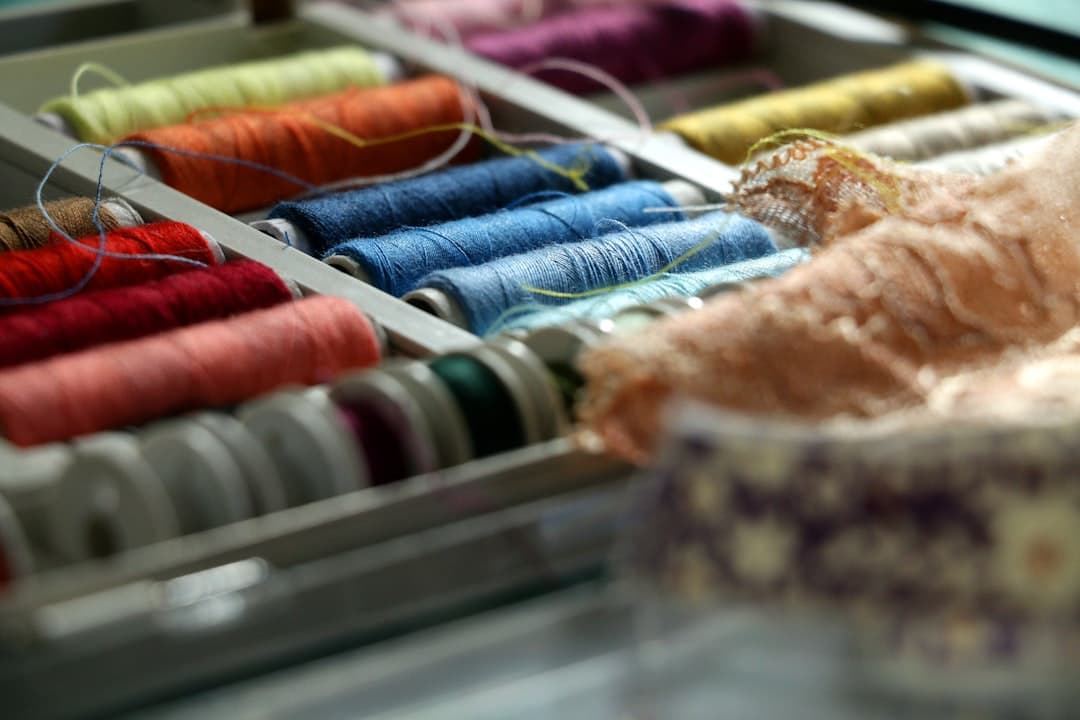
point(25, 228)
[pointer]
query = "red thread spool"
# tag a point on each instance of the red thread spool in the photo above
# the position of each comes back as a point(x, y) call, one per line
point(62, 264)
point(214, 364)
point(105, 316)
point(288, 140)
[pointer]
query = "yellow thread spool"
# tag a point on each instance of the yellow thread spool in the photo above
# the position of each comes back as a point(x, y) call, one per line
point(839, 105)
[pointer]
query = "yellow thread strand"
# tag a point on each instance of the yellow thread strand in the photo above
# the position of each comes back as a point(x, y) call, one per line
point(104, 71)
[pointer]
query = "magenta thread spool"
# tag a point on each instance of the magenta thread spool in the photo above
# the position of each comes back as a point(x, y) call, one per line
point(633, 42)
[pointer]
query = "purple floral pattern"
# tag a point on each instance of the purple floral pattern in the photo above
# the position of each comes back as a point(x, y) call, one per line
point(975, 530)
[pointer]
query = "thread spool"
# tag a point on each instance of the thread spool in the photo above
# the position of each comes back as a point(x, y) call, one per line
point(310, 444)
point(671, 287)
point(16, 557)
point(395, 263)
point(28, 484)
point(109, 500)
point(296, 139)
point(559, 346)
point(681, 36)
point(469, 17)
point(106, 115)
point(213, 364)
point(265, 486)
point(507, 400)
point(190, 472)
point(465, 191)
point(838, 105)
point(988, 160)
point(60, 266)
point(100, 317)
point(479, 295)
point(444, 421)
point(388, 425)
point(971, 127)
point(26, 228)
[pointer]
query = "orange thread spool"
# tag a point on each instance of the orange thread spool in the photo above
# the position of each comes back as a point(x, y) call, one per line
point(215, 364)
point(295, 140)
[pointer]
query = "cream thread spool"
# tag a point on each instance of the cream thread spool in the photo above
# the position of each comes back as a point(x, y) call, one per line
point(972, 127)
point(990, 159)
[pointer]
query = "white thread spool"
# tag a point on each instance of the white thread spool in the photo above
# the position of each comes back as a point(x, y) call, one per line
point(989, 159)
point(971, 127)
point(28, 481)
point(309, 442)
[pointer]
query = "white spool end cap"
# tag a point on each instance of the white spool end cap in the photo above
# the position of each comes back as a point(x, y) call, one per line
point(57, 122)
point(124, 213)
point(285, 233)
point(109, 500)
point(135, 158)
point(214, 246)
point(684, 193)
point(350, 267)
point(439, 304)
point(389, 67)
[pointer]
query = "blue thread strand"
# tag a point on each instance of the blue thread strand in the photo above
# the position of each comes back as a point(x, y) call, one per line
point(397, 261)
point(484, 292)
point(688, 284)
point(449, 194)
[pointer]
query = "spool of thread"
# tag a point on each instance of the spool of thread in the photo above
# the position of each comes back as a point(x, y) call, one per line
point(189, 475)
point(468, 17)
point(109, 501)
point(317, 225)
point(387, 425)
point(311, 444)
point(838, 105)
point(104, 316)
point(677, 284)
point(61, 265)
point(104, 116)
point(396, 262)
point(213, 364)
point(971, 127)
point(444, 420)
point(28, 484)
point(632, 42)
point(295, 139)
point(494, 421)
point(26, 228)
point(481, 294)
point(988, 160)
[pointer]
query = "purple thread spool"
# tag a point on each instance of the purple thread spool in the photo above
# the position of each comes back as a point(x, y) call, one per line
point(634, 43)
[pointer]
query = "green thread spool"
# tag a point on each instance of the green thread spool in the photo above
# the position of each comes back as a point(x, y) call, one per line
point(490, 411)
point(106, 115)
